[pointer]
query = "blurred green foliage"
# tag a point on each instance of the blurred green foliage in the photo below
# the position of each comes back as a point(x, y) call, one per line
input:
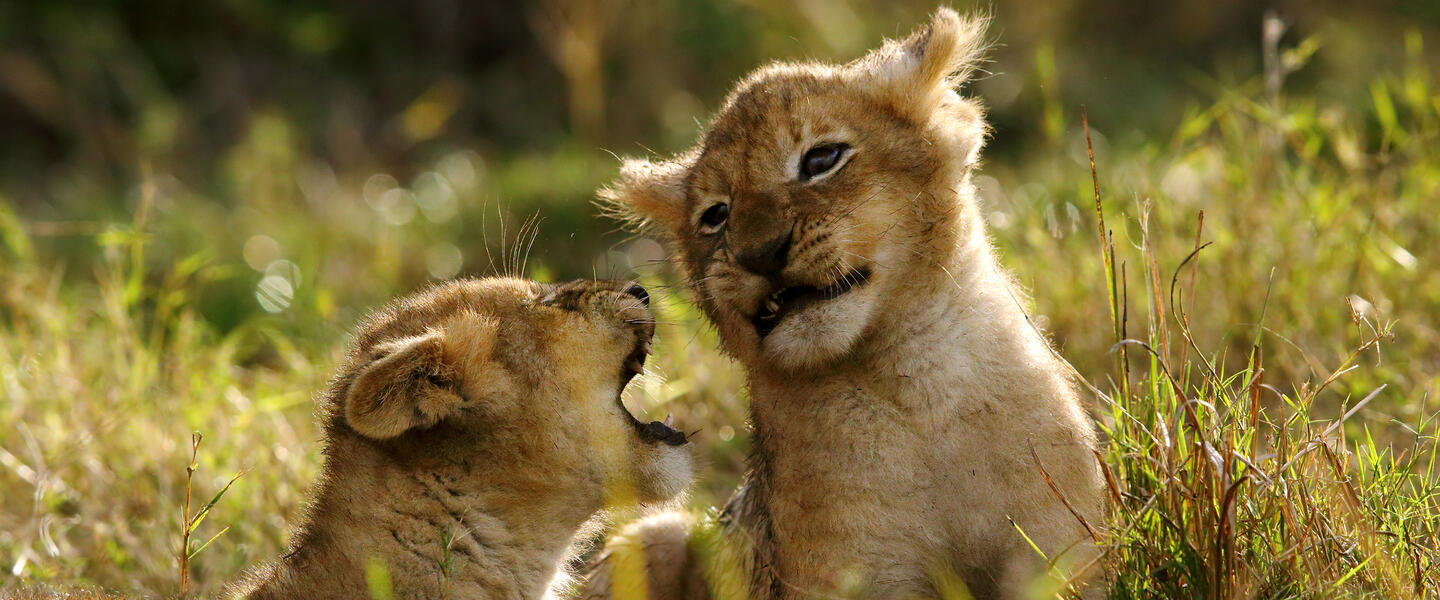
point(249, 121)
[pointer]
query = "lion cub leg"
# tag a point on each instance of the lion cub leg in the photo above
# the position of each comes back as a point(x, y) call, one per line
point(648, 559)
point(1023, 575)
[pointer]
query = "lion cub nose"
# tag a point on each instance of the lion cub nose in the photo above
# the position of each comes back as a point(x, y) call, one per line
point(766, 259)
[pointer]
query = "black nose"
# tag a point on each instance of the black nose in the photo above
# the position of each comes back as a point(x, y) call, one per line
point(766, 259)
point(638, 291)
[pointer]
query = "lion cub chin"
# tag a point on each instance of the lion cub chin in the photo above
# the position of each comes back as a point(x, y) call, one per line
point(472, 430)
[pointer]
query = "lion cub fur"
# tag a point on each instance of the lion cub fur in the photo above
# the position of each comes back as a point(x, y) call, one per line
point(901, 420)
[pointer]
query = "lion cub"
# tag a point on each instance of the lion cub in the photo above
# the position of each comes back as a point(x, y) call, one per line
point(471, 431)
point(902, 405)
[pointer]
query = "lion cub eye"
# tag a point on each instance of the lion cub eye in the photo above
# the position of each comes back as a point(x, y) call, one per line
point(714, 218)
point(820, 160)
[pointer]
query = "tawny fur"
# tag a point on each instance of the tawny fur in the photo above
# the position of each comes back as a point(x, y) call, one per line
point(471, 431)
point(897, 426)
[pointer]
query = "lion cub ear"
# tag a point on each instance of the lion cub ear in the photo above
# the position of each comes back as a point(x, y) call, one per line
point(407, 385)
point(649, 196)
point(925, 67)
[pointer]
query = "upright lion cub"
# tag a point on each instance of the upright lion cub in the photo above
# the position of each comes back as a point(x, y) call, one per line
point(469, 434)
point(902, 405)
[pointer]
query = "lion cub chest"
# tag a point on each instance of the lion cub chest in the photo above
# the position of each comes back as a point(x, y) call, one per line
point(863, 487)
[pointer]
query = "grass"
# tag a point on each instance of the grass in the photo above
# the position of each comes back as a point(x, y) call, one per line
point(1224, 486)
point(1254, 314)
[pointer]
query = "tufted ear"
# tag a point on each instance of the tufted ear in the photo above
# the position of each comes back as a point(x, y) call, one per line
point(649, 196)
point(921, 70)
point(407, 385)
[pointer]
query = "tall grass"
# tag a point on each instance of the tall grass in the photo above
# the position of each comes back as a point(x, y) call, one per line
point(1224, 486)
point(103, 385)
point(1229, 476)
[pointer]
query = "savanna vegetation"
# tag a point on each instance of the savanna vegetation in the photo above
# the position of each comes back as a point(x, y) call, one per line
point(1227, 222)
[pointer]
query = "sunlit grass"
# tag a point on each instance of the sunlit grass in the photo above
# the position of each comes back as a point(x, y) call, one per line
point(1225, 486)
point(102, 391)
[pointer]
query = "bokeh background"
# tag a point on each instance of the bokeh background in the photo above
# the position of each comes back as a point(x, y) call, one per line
point(198, 199)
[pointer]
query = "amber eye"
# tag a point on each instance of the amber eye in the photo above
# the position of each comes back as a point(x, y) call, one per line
point(820, 160)
point(714, 218)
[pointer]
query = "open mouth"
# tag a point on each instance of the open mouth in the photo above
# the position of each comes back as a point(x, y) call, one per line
point(786, 300)
point(634, 363)
point(654, 431)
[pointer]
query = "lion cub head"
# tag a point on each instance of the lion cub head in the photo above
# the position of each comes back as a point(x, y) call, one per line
point(517, 382)
point(818, 191)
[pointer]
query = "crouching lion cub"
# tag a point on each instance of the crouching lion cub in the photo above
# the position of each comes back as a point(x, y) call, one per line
point(902, 406)
point(469, 434)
